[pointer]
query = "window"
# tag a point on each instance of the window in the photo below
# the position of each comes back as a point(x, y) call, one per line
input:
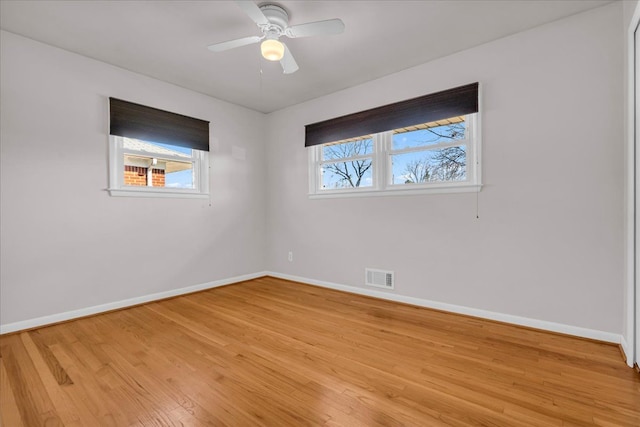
point(439, 156)
point(425, 144)
point(141, 168)
point(155, 153)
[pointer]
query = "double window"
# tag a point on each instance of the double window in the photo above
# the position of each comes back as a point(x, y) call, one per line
point(441, 155)
point(154, 153)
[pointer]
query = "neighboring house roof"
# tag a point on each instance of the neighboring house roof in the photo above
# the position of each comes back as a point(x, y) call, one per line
point(146, 147)
point(148, 150)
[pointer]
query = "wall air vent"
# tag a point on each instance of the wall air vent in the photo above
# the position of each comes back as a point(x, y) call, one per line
point(379, 278)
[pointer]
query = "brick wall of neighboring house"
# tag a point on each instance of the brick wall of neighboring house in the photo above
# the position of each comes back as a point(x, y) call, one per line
point(137, 175)
point(157, 177)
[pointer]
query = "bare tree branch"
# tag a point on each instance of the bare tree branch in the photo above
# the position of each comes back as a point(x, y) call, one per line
point(446, 164)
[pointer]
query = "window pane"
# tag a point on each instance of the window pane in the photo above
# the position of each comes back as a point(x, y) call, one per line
point(447, 164)
point(164, 173)
point(179, 175)
point(346, 174)
point(347, 149)
point(434, 135)
point(172, 173)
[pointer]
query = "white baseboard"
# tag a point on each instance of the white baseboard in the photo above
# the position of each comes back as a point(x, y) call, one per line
point(627, 351)
point(485, 314)
point(83, 312)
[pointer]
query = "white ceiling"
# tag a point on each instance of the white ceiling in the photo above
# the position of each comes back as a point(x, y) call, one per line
point(168, 39)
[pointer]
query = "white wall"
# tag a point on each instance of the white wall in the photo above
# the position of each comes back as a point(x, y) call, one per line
point(549, 241)
point(66, 244)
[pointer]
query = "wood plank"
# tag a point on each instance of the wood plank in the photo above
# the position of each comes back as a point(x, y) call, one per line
point(33, 402)
point(54, 366)
point(67, 412)
point(10, 413)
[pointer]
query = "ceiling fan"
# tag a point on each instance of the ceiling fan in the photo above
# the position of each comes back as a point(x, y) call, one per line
point(273, 21)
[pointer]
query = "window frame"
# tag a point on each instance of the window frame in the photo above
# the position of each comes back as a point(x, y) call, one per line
point(382, 167)
point(199, 158)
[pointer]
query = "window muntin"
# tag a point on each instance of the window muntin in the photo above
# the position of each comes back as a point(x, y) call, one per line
point(151, 169)
point(430, 157)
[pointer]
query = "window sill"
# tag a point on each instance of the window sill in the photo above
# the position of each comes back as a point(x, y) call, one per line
point(156, 192)
point(400, 191)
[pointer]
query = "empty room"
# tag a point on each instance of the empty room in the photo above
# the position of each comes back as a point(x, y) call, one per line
point(341, 213)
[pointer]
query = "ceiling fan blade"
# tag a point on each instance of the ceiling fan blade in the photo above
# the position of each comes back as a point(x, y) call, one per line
point(289, 64)
point(219, 47)
point(319, 28)
point(253, 11)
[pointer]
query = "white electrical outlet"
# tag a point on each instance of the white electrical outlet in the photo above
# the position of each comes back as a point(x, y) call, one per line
point(290, 256)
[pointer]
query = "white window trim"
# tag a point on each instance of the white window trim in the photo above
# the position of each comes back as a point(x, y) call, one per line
point(116, 175)
point(381, 165)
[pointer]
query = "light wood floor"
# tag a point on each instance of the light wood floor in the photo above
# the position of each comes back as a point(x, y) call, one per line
point(276, 353)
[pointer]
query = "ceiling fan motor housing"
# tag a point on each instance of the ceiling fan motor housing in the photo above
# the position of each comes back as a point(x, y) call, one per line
point(278, 19)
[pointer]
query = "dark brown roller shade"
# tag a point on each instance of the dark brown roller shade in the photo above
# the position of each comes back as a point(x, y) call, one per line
point(153, 125)
point(428, 108)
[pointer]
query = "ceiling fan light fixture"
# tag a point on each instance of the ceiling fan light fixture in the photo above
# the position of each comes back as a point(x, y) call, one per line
point(272, 49)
